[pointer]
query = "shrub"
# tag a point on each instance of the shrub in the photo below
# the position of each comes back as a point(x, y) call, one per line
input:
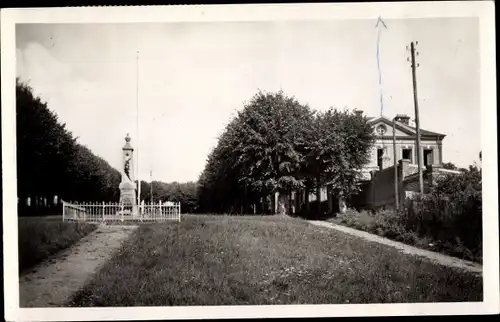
point(451, 213)
point(448, 219)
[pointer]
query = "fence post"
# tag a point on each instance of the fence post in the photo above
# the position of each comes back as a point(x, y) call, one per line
point(103, 210)
point(64, 209)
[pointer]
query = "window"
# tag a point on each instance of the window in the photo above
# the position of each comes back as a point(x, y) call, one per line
point(407, 155)
point(380, 154)
point(428, 158)
point(381, 129)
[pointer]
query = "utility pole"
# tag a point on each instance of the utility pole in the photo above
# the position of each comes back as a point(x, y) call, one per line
point(396, 181)
point(414, 66)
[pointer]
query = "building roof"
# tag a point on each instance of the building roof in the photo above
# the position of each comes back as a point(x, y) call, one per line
point(403, 126)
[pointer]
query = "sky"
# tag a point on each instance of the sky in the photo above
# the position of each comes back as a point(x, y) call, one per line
point(192, 77)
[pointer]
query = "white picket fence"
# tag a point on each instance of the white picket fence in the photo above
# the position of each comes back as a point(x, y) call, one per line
point(114, 212)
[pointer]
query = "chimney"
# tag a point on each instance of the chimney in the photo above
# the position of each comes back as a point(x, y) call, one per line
point(403, 118)
point(358, 112)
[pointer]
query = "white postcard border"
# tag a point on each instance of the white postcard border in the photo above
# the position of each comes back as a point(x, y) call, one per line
point(263, 12)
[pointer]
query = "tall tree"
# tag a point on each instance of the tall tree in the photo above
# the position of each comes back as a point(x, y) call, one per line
point(50, 162)
point(276, 144)
point(260, 151)
point(338, 148)
point(270, 142)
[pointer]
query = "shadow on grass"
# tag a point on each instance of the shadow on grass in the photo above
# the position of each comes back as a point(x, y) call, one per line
point(42, 237)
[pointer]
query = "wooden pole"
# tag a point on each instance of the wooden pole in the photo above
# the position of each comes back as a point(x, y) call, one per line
point(417, 119)
point(396, 190)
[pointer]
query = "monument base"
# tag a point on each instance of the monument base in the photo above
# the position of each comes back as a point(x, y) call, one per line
point(127, 197)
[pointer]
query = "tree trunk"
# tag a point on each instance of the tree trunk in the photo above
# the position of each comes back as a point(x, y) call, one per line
point(342, 204)
point(330, 199)
point(298, 202)
point(318, 196)
point(306, 196)
point(282, 207)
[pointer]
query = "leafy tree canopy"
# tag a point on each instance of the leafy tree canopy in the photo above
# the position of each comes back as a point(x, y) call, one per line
point(278, 144)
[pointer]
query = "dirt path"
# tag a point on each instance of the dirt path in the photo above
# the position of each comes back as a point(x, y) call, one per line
point(433, 256)
point(54, 281)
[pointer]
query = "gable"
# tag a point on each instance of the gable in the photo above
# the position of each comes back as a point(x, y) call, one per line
point(388, 126)
point(402, 129)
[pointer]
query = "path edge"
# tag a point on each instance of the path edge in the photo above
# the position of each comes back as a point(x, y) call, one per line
point(435, 257)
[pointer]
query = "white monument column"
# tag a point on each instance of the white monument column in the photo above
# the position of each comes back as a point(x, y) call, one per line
point(127, 185)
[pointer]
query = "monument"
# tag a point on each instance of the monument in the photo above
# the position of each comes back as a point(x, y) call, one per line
point(127, 185)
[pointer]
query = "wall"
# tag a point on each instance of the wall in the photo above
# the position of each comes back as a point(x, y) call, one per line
point(401, 144)
point(379, 191)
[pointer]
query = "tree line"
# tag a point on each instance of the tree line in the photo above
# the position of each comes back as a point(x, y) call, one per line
point(277, 144)
point(50, 163)
point(183, 192)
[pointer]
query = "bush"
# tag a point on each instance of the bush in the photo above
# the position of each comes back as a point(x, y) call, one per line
point(451, 214)
point(448, 219)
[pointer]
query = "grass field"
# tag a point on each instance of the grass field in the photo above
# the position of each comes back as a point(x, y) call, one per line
point(214, 260)
point(41, 237)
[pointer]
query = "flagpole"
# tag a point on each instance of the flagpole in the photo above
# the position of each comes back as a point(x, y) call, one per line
point(137, 115)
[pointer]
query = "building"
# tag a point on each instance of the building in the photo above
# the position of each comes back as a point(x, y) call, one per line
point(382, 155)
point(378, 186)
